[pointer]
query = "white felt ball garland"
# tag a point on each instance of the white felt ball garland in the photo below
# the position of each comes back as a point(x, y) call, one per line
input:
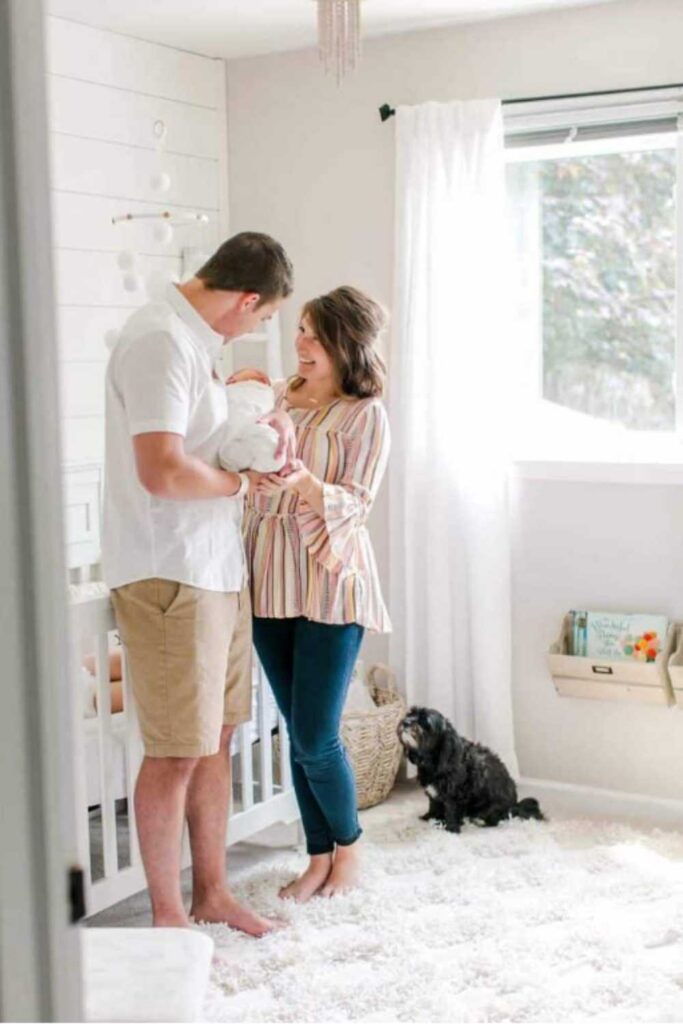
point(155, 283)
point(160, 181)
point(132, 282)
point(163, 232)
point(126, 259)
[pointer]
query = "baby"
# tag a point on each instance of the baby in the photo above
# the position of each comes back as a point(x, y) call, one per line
point(248, 444)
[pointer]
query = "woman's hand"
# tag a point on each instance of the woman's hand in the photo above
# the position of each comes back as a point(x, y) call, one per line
point(293, 477)
point(297, 479)
point(282, 424)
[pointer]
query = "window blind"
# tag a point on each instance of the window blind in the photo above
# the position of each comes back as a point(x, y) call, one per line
point(549, 122)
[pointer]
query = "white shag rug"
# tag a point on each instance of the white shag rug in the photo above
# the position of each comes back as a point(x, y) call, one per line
point(571, 920)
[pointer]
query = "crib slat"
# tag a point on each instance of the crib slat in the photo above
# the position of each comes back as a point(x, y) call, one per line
point(285, 767)
point(246, 770)
point(234, 747)
point(133, 758)
point(265, 737)
point(82, 820)
point(107, 805)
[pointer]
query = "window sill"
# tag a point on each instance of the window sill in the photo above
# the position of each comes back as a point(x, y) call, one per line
point(600, 472)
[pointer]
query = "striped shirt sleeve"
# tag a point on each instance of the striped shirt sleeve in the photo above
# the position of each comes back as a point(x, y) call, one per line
point(332, 538)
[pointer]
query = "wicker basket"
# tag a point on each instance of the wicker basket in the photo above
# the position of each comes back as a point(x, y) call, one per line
point(371, 740)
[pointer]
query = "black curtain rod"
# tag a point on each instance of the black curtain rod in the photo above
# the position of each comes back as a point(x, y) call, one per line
point(385, 111)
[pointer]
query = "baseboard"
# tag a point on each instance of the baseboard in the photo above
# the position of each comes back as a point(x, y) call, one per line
point(606, 803)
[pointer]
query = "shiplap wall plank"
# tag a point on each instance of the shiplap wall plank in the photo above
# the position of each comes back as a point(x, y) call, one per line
point(92, 55)
point(123, 172)
point(81, 331)
point(93, 278)
point(100, 112)
point(82, 388)
point(83, 440)
point(106, 91)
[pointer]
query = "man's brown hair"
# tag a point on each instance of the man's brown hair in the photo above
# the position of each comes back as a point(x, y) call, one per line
point(250, 262)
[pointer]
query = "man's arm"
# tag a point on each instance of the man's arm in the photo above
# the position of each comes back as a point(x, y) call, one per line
point(167, 471)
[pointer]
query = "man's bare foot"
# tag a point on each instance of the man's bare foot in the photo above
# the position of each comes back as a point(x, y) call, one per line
point(345, 871)
point(223, 908)
point(312, 880)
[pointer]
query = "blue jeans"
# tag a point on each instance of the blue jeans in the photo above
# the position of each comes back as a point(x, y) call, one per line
point(309, 665)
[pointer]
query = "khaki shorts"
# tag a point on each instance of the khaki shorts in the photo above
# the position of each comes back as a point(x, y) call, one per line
point(189, 657)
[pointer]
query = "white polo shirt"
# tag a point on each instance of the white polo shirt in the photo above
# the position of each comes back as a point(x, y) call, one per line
point(159, 378)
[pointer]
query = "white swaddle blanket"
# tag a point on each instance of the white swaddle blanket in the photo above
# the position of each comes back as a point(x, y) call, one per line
point(248, 444)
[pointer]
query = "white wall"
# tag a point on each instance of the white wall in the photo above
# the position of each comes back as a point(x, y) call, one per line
point(312, 164)
point(598, 546)
point(105, 93)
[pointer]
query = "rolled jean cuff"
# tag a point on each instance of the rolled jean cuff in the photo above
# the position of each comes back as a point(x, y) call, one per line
point(316, 849)
point(352, 840)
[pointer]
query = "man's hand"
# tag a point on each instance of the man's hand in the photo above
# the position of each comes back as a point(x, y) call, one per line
point(255, 480)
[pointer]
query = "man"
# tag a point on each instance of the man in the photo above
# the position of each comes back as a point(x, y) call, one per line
point(174, 560)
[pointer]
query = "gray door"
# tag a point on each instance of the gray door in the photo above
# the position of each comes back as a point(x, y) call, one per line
point(40, 969)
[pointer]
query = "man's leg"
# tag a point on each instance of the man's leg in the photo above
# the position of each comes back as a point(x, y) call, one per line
point(209, 795)
point(176, 638)
point(160, 794)
point(208, 800)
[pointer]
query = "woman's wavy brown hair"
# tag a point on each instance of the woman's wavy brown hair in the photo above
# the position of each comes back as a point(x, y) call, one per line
point(347, 323)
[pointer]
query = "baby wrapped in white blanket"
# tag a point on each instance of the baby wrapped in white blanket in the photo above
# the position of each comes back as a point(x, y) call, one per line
point(248, 444)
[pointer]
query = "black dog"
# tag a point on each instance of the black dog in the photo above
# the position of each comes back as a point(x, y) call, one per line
point(463, 780)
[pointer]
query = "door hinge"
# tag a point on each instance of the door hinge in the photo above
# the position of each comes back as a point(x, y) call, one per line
point(76, 882)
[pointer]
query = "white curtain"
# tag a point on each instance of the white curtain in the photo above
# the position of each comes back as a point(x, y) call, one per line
point(450, 381)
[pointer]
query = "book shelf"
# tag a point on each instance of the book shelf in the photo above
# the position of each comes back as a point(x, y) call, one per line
point(676, 668)
point(617, 680)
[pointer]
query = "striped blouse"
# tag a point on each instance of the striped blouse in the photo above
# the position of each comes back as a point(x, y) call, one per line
point(323, 568)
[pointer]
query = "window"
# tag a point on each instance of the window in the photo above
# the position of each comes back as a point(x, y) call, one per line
point(594, 216)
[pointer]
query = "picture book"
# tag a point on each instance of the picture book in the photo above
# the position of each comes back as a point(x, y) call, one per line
point(614, 636)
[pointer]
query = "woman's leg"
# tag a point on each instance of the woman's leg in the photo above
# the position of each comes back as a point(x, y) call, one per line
point(324, 656)
point(274, 642)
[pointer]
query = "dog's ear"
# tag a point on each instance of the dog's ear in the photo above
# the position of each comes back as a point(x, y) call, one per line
point(450, 750)
point(435, 721)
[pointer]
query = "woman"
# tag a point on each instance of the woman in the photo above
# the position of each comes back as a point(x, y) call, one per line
point(314, 581)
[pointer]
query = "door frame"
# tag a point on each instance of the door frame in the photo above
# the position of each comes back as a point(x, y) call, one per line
point(40, 961)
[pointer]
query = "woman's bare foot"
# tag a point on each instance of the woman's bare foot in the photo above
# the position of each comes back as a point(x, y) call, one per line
point(222, 908)
point(345, 871)
point(170, 920)
point(308, 884)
